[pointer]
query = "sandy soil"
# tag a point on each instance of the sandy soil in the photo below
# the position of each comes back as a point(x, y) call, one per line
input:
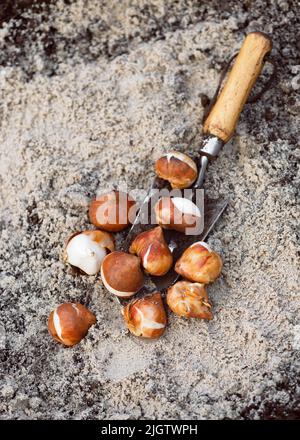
point(91, 93)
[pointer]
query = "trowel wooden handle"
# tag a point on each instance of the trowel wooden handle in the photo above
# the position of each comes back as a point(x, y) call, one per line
point(224, 115)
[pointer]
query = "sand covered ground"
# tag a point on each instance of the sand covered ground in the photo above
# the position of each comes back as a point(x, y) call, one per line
point(92, 92)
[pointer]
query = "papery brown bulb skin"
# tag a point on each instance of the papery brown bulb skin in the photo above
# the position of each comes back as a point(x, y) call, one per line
point(189, 300)
point(101, 237)
point(178, 168)
point(121, 274)
point(70, 322)
point(146, 317)
point(179, 214)
point(199, 263)
point(112, 211)
point(105, 239)
point(153, 250)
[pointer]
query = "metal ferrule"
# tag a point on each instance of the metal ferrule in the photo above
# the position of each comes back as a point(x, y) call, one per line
point(211, 147)
point(210, 150)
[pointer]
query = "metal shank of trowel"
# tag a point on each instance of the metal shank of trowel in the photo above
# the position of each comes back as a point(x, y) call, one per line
point(210, 150)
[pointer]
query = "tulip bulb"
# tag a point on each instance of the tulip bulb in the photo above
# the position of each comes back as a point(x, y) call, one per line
point(199, 263)
point(86, 250)
point(189, 300)
point(178, 168)
point(69, 323)
point(146, 317)
point(121, 274)
point(178, 213)
point(153, 250)
point(112, 211)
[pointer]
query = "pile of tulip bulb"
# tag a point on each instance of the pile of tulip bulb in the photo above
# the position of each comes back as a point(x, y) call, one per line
point(122, 273)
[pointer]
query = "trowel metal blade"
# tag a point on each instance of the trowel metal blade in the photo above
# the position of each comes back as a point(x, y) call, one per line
point(177, 241)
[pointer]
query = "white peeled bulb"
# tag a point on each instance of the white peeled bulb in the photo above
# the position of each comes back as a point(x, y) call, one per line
point(85, 253)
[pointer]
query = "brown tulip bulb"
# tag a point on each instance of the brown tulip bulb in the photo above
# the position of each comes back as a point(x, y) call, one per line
point(112, 211)
point(178, 213)
point(86, 250)
point(178, 168)
point(69, 323)
point(153, 250)
point(146, 317)
point(189, 300)
point(121, 274)
point(199, 263)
